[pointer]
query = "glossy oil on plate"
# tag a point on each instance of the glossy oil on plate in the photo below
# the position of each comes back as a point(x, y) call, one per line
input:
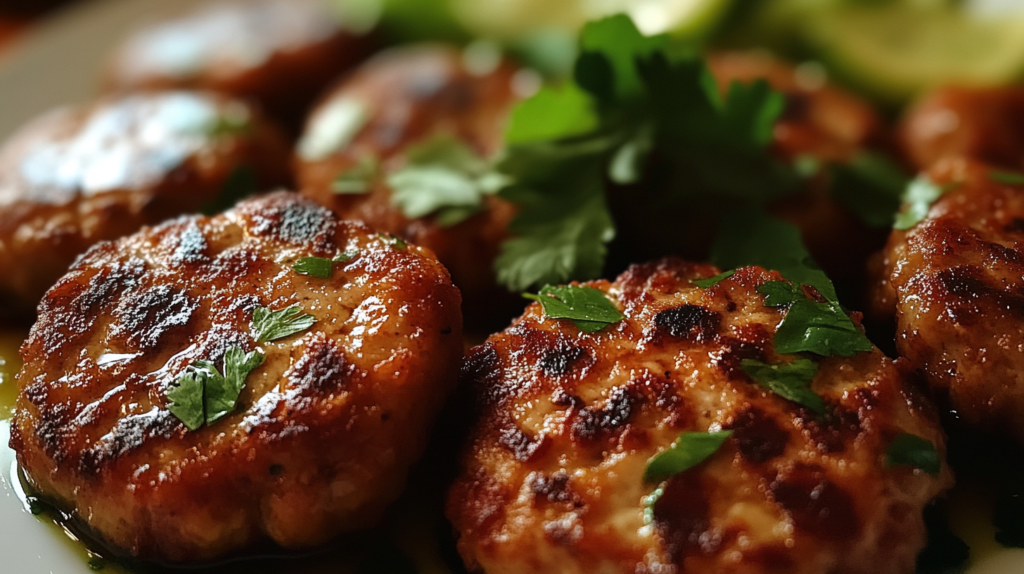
point(59, 63)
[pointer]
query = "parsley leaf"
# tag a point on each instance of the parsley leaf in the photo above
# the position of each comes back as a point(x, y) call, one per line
point(270, 325)
point(345, 257)
point(749, 237)
point(587, 307)
point(1007, 177)
point(203, 395)
point(222, 392)
point(609, 49)
point(441, 175)
point(712, 281)
point(871, 186)
point(186, 400)
point(689, 450)
point(314, 267)
point(393, 241)
point(791, 381)
point(912, 450)
point(552, 114)
point(918, 199)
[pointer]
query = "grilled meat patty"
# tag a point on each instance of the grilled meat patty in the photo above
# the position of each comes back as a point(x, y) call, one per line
point(400, 100)
point(986, 124)
point(80, 175)
point(325, 428)
point(279, 54)
point(955, 282)
point(553, 476)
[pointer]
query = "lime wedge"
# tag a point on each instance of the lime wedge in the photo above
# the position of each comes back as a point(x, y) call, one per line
point(512, 19)
point(895, 50)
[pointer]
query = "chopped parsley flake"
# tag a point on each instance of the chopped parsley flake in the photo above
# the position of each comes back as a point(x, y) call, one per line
point(270, 325)
point(393, 241)
point(712, 281)
point(791, 381)
point(912, 450)
point(345, 257)
point(1007, 177)
point(204, 395)
point(587, 307)
point(314, 267)
point(689, 450)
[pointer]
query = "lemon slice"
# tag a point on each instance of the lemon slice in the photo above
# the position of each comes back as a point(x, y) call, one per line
point(512, 19)
point(895, 50)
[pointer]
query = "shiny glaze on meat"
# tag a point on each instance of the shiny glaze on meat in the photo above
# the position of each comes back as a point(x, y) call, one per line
point(956, 284)
point(551, 480)
point(279, 53)
point(325, 429)
point(77, 176)
point(410, 95)
point(986, 124)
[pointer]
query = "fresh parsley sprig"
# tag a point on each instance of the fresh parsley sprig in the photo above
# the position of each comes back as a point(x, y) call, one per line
point(588, 308)
point(270, 325)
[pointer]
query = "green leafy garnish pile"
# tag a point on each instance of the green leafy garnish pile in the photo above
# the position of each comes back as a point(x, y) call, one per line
point(586, 307)
point(204, 394)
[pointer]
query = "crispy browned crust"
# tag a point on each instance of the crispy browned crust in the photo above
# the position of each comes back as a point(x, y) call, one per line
point(413, 94)
point(552, 479)
point(294, 59)
point(64, 188)
point(956, 284)
point(326, 427)
point(986, 124)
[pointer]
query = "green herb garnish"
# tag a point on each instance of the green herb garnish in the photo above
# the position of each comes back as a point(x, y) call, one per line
point(712, 281)
point(689, 450)
point(791, 381)
point(912, 450)
point(1007, 177)
point(314, 267)
point(393, 241)
point(552, 114)
point(871, 186)
point(443, 177)
point(204, 395)
point(918, 200)
point(345, 257)
point(270, 325)
point(587, 307)
point(356, 180)
point(780, 293)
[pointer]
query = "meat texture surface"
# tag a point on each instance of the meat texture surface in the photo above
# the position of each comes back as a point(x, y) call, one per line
point(325, 428)
point(401, 100)
point(553, 476)
point(955, 282)
point(279, 54)
point(80, 175)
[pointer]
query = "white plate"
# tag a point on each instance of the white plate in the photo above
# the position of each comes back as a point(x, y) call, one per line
point(58, 63)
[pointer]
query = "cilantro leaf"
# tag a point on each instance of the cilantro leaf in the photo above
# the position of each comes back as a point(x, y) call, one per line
point(749, 237)
point(589, 308)
point(911, 450)
point(222, 392)
point(871, 186)
point(918, 200)
point(552, 114)
point(791, 381)
point(689, 450)
point(440, 174)
point(358, 179)
point(780, 293)
point(821, 328)
point(712, 281)
point(270, 325)
point(314, 267)
point(186, 400)
point(609, 50)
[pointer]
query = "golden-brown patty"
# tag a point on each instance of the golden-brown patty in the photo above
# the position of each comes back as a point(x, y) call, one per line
point(553, 477)
point(400, 99)
point(325, 428)
point(278, 53)
point(956, 284)
point(79, 175)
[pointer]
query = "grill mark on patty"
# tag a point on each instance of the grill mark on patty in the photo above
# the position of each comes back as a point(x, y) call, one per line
point(691, 322)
